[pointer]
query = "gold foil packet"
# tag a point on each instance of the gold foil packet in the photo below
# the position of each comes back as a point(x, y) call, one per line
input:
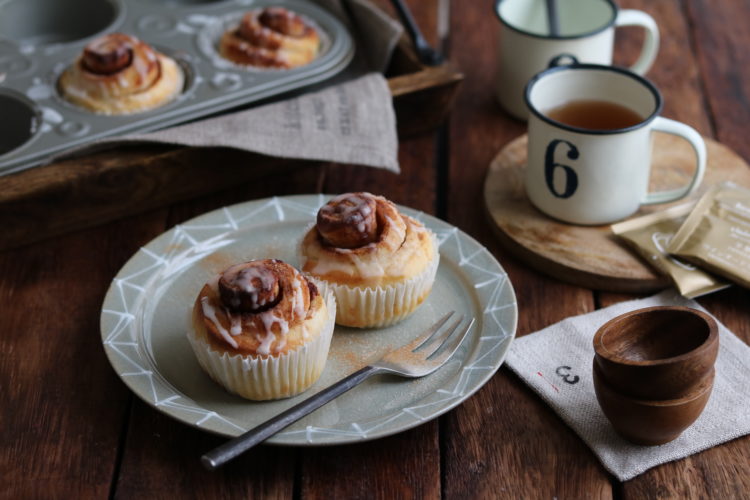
point(650, 236)
point(716, 234)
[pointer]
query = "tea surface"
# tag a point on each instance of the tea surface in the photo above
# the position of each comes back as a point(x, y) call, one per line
point(595, 115)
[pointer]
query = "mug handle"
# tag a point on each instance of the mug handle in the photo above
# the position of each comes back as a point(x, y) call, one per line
point(630, 17)
point(694, 138)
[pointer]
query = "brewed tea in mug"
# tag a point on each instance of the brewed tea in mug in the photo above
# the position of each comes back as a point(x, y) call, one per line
point(594, 114)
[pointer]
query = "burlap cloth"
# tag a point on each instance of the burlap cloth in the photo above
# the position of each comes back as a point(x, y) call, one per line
point(538, 358)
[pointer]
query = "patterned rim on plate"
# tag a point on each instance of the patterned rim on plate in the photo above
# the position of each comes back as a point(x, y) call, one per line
point(128, 311)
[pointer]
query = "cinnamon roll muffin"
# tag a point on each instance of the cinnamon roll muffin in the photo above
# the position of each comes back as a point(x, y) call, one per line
point(262, 330)
point(273, 37)
point(119, 74)
point(379, 263)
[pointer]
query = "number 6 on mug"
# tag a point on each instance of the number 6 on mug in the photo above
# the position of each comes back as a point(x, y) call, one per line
point(571, 177)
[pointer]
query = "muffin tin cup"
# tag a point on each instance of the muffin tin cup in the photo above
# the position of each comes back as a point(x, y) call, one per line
point(32, 23)
point(20, 121)
point(36, 49)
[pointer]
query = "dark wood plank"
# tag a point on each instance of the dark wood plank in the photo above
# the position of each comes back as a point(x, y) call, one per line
point(63, 407)
point(504, 440)
point(84, 192)
point(722, 36)
point(696, 54)
point(675, 71)
point(415, 186)
point(156, 447)
point(161, 460)
point(406, 465)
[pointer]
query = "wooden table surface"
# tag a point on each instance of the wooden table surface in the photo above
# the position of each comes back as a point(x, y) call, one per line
point(71, 429)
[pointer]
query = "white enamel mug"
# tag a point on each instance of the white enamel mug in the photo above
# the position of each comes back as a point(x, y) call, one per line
point(586, 30)
point(592, 177)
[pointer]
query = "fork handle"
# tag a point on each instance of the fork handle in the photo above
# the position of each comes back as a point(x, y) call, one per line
point(231, 449)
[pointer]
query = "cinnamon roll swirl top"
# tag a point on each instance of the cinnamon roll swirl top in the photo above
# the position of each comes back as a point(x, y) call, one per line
point(119, 74)
point(273, 37)
point(360, 239)
point(261, 307)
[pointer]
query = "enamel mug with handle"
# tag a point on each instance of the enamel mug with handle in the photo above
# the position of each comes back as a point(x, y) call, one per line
point(533, 32)
point(597, 176)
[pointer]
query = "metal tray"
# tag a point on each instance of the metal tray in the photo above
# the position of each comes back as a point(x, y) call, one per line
point(40, 38)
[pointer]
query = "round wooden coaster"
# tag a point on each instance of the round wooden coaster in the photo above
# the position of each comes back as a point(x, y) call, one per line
point(591, 256)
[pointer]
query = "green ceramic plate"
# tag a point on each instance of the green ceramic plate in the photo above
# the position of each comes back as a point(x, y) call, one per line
point(147, 308)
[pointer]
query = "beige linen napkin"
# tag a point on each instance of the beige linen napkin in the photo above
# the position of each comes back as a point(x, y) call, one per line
point(352, 122)
point(349, 122)
point(556, 363)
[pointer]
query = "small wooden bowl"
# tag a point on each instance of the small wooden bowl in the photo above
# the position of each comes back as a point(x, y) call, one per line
point(648, 422)
point(657, 353)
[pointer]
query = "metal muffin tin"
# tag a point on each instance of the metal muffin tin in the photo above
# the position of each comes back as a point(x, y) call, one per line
point(40, 38)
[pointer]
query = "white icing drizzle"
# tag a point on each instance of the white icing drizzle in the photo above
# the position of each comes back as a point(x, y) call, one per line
point(367, 267)
point(268, 318)
point(245, 279)
point(298, 299)
point(210, 313)
point(266, 336)
point(355, 213)
point(265, 343)
point(236, 326)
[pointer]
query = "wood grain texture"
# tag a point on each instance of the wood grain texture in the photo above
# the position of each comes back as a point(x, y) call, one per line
point(704, 57)
point(72, 429)
point(675, 71)
point(721, 37)
point(406, 465)
point(83, 192)
point(156, 447)
point(699, 90)
point(62, 406)
point(504, 442)
point(591, 256)
point(161, 461)
point(719, 472)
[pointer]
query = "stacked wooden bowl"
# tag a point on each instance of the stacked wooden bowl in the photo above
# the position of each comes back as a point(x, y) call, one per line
point(654, 370)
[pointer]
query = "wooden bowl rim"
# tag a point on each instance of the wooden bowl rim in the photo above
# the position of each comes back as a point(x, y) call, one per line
point(713, 336)
point(705, 386)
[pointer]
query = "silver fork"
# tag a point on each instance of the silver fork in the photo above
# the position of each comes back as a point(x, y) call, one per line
point(418, 358)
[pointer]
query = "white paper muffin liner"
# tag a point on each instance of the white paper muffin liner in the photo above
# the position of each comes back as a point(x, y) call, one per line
point(384, 305)
point(272, 377)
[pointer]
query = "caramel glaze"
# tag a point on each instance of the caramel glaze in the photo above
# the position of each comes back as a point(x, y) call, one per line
point(396, 247)
point(120, 74)
point(357, 223)
point(123, 59)
point(349, 221)
point(273, 37)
